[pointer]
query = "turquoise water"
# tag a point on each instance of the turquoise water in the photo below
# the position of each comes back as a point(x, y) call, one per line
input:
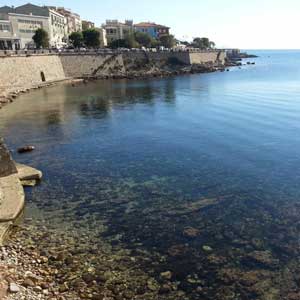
point(141, 158)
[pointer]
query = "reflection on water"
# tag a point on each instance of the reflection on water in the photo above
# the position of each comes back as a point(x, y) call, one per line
point(195, 175)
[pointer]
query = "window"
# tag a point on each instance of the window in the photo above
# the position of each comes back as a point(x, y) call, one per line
point(30, 22)
point(112, 31)
point(27, 31)
point(4, 27)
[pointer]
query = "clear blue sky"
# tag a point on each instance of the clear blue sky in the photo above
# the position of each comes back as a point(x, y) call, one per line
point(266, 24)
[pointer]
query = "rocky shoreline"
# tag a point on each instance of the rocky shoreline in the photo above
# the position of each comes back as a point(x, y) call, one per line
point(44, 263)
point(9, 96)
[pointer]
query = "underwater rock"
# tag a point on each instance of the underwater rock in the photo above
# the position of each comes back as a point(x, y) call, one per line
point(207, 248)
point(191, 232)
point(177, 250)
point(152, 285)
point(166, 275)
point(195, 206)
point(263, 258)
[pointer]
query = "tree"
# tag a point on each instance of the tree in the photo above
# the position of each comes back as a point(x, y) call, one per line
point(186, 43)
point(167, 41)
point(120, 43)
point(76, 38)
point(155, 43)
point(143, 39)
point(203, 43)
point(212, 44)
point(91, 38)
point(41, 38)
point(130, 41)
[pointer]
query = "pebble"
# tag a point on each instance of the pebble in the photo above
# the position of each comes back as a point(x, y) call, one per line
point(13, 288)
point(28, 283)
point(207, 248)
point(166, 275)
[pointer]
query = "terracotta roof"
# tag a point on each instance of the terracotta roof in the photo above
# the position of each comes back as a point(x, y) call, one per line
point(149, 24)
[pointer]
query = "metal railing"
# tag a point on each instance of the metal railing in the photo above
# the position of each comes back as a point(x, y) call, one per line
point(4, 53)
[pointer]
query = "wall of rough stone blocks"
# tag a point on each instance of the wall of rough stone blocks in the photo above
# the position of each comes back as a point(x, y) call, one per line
point(19, 72)
point(207, 57)
point(76, 65)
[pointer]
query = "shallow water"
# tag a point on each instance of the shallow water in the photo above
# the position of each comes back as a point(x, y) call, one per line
point(198, 173)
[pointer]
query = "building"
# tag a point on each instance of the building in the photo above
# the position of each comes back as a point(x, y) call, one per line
point(154, 30)
point(8, 41)
point(72, 20)
point(25, 20)
point(116, 30)
point(87, 25)
point(103, 39)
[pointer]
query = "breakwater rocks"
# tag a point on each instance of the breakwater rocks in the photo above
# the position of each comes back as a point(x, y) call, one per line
point(157, 72)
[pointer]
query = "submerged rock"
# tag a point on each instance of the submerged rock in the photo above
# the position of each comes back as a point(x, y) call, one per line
point(26, 149)
point(207, 248)
point(166, 275)
point(191, 232)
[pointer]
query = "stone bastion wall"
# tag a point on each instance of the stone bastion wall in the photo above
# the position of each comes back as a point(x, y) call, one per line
point(18, 72)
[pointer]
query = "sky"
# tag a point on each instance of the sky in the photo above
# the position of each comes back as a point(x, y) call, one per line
point(245, 24)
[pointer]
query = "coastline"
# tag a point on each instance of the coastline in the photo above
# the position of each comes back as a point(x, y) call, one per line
point(49, 69)
point(44, 279)
point(9, 96)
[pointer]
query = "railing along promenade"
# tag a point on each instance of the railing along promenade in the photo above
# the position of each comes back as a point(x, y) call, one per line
point(4, 53)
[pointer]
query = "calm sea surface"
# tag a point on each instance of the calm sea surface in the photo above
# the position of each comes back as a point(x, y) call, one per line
point(202, 171)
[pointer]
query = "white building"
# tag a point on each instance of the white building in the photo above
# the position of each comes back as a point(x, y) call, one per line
point(103, 39)
point(25, 20)
point(116, 30)
point(73, 21)
point(8, 39)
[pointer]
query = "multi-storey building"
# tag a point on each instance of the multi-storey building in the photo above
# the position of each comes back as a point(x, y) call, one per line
point(25, 20)
point(103, 39)
point(72, 20)
point(154, 30)
point(8, 40)
point(116, 30)
point(87, 25)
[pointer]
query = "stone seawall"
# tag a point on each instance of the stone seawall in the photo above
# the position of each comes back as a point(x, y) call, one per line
point(84, 65)
point(207, 57)
point(23, 72)
point(76, 65)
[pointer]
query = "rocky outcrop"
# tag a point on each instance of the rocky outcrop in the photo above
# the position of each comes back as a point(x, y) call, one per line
point(12, 197)
point(7, 166)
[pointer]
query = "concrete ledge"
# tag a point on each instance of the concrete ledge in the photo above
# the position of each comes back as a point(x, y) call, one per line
point(12, 198)
point(28, 173)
